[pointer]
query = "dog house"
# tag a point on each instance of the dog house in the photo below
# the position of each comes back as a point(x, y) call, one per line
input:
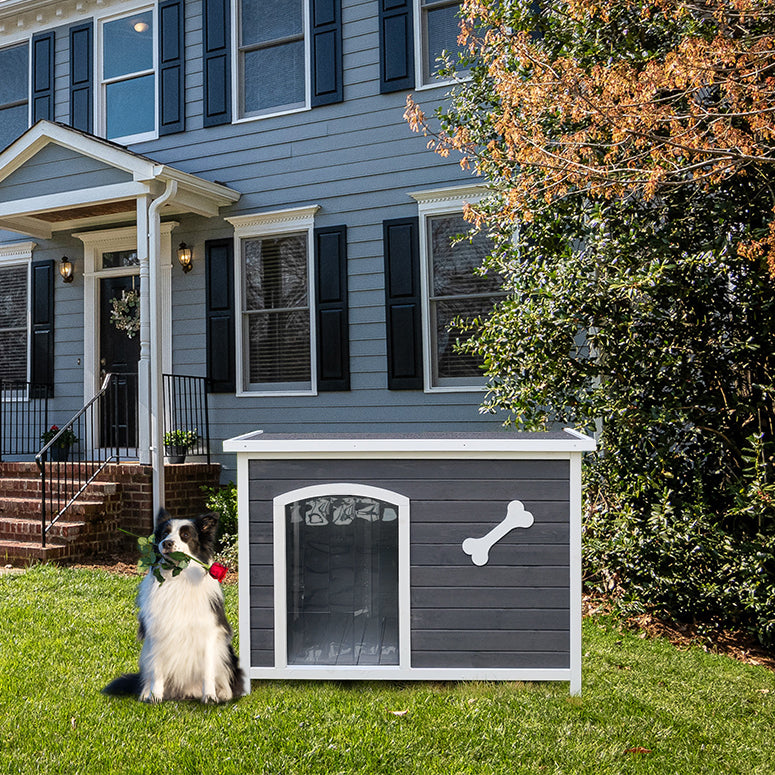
point(411, 557)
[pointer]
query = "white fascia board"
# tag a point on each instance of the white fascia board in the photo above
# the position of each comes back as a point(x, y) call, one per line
point(445, 200)
point(70, 199)
point(30, 227)
point(218, 194)
point(406, 447)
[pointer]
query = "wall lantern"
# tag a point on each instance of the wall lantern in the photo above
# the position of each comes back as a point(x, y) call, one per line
point(66, 269)
point(185, 255)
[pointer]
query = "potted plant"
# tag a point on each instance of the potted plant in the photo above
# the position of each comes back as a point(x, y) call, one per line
point(61, 449)
point(178, 442)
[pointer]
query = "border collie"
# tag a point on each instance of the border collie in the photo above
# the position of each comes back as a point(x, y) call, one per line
point(187, 651)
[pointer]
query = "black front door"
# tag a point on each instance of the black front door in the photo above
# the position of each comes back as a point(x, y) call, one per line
point(119, 355)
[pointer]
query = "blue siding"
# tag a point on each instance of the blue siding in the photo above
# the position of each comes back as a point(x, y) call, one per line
point(357, 159)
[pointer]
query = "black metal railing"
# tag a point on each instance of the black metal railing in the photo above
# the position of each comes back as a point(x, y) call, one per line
point(185, 409)
point(104, 431)
point(23, 416)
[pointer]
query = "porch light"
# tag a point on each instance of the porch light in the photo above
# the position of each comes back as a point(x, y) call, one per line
point(185, 255)
point(66, 269)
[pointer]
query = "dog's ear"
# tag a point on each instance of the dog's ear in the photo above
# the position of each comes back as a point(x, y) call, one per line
point(162, 516)
point(208, 523)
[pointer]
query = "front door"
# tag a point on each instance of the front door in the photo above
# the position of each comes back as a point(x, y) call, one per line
point(119, 354)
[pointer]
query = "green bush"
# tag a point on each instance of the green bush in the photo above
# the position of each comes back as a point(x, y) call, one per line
point(223, 500)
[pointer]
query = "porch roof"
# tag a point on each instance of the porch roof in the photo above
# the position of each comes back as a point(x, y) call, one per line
point(55, 178)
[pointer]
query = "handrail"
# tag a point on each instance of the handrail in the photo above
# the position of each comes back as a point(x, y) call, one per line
point(94, 429)
point(186, 409)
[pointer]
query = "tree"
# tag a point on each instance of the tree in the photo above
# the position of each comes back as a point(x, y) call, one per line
point(630, 150)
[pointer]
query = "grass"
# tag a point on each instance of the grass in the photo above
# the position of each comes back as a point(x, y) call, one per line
point(646, 706)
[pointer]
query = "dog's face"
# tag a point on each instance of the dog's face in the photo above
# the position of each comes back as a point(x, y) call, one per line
point(195, 537)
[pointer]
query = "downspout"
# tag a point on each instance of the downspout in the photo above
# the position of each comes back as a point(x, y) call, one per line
point(156, 402)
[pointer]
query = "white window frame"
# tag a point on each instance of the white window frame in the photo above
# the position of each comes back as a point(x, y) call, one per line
point(101, 101)
point(279, 504)
point(27, 42)
point(273, 224)
point(419, 53)
point(443, 201)
point(19, 254)
point(237, 69)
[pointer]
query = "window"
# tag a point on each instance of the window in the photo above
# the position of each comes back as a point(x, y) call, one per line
point(276, 331)
point(272, 56)
point(14, 91)
point(452, 288)
point(439, 28)
point(129, 77)
point(14, 316)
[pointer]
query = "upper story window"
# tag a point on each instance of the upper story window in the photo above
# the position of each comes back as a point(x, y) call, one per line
point(439, 28)
point(128, 77)
point(272, 53)
point(14, 93)
point(277, 333)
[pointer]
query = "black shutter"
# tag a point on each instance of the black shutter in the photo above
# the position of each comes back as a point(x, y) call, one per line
point(396, 45)
point(219, 293)
point(43, 76)
point(403, 304)
point(333, 337)
point(326, 51)
point(216, 64)
point(42, 331)
point(171, 67)
point(81, 74)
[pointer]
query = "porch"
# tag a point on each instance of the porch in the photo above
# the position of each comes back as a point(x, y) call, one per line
point(86, 480)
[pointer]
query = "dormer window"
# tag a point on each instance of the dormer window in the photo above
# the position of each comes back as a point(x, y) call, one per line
point(128, 77)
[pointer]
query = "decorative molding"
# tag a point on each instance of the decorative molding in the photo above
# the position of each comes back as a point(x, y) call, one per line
point(449, 199)
point(17, 252)
point(117, 239)
point(278, 221)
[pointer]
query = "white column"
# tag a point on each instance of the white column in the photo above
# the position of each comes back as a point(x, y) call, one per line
point(144, 412)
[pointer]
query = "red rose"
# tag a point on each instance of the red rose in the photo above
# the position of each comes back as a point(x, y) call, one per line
point(218, 571)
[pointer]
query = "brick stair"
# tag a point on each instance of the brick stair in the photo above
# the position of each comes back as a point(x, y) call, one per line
point(89, 527)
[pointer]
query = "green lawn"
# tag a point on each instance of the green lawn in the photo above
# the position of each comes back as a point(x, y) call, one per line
point(65, 633)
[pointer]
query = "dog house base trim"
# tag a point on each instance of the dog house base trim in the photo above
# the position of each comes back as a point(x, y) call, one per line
point(514, 617)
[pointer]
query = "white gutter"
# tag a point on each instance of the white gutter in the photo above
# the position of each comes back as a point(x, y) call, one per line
point(154, 296)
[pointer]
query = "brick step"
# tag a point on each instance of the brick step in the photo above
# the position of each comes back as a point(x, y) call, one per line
point(29, 508)
point(28, 552)
point(20, 529)
point(14, 487)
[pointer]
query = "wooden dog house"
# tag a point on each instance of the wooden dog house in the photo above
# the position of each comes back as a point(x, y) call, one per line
point(410, 557)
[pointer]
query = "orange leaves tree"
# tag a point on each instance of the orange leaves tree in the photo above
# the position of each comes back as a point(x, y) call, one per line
point(630, 148)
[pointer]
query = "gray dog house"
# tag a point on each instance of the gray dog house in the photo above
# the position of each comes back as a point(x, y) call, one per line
point(434, 556)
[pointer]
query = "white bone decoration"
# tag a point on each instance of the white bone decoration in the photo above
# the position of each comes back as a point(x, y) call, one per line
point(479, 548)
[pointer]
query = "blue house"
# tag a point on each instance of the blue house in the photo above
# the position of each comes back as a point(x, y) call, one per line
point(241, 171)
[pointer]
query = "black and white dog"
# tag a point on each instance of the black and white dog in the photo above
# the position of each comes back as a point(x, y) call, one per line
point(187, 651)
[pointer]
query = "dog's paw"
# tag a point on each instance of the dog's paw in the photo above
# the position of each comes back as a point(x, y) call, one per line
point(150, 697)
point(210, 699)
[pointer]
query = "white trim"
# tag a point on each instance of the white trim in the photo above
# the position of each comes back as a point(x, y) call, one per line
point(264, 446)
point(419, 51)
point(236, 70)
point(16, 252)
point(267, 224)
point(433, 203)
point(100, 84)
point(95, 244)
point(243, 553)
point(575, 572)
point(280, 572)
point(19, 254)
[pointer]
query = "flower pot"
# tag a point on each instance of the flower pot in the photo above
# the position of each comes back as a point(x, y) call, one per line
point(175, 454)
point(59, 454)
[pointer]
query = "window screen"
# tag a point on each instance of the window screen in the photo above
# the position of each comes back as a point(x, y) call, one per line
point(13, 323)
point(13, 93)
point(342, 581)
